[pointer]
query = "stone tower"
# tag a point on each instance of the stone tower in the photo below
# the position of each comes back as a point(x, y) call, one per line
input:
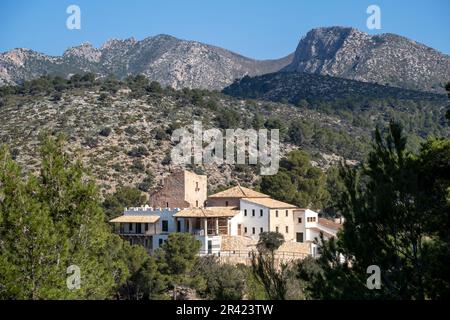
point(181, 189)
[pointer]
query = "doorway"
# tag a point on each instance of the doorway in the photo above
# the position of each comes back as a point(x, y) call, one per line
point(209, 246)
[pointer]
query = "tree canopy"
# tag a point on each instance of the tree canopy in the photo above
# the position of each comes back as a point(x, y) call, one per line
point(297, 182)
point(396, 208)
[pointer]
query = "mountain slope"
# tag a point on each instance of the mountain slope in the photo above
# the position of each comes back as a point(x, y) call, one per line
point(295, 86)
point(124, 137)
point(384, 59)
point(168, 60)
point(363, 104)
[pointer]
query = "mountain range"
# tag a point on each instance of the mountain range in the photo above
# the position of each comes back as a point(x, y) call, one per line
point(166, 59)
point(342, 52)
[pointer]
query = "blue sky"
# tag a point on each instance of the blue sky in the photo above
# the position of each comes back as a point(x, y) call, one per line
point(259, 29)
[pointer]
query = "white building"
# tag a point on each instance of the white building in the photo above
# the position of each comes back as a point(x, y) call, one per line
point(236, 212)
point(150, 227)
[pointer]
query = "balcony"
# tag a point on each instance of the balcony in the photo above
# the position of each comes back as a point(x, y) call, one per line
point(211, 232)
point(134, 233)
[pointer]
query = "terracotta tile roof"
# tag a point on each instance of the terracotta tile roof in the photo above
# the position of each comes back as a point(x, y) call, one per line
point(329, 224)
point(326, 234)
point(239, 192)
point(208, 212)
point(136, 219)
point(271, 203)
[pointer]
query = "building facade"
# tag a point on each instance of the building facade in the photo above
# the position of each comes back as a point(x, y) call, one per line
point(181, 189)
point(235, 212)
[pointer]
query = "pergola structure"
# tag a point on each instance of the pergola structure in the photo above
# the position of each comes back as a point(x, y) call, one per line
point(209, 221)
point(137, 219)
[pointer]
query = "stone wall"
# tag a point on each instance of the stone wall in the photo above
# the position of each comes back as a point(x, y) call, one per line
point(195, 189)
point(182, 189)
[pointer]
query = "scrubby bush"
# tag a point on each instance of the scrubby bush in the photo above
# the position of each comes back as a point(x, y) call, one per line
point(105, 132)
point(137, 152)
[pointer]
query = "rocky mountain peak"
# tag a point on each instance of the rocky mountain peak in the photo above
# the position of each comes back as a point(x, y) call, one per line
point(385, 59)
point(84, 51)
point(114, 43)
point(343, 52)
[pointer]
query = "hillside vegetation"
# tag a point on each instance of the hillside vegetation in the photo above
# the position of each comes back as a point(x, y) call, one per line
point(122, 130)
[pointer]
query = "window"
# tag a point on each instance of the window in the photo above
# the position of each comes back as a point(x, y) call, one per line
point(261, 230)
point(253, 230)
point(287, 229)
point(287, 213)
point(146, 227)
point(160, 241)
point(276, 213)
point(165, 226)
point(196, 203)
point(260, 212)
point(196, 186)
point(311, 219)
point(245, 212)
point(253, 212)
point(299, 220)
point(276, 229)
point(167, 204)
point(226, 203)
point(138, 228)
point(245, 229)
point(130, 227)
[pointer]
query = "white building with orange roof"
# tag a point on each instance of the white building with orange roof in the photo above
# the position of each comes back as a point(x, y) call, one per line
point(234, 212)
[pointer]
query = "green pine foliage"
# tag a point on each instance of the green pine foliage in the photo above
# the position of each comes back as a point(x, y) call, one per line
point(397, 216)
point(49, 222)
point(297, 182)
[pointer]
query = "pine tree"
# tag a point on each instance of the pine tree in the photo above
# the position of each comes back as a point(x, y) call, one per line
point(28, 265)
point(396, 210)
point(51, 222)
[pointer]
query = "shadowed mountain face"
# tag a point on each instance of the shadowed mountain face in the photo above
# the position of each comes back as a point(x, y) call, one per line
point(293, 87)
point(386, 59)
point(168, 60)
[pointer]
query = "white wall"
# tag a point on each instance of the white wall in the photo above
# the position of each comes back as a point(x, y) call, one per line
point(216, 242)
point(163, 213)
point(251, 221)
point(311, 214)
point(233, 224)
point(299, 227)
point(326, 229)
point(156, 241)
